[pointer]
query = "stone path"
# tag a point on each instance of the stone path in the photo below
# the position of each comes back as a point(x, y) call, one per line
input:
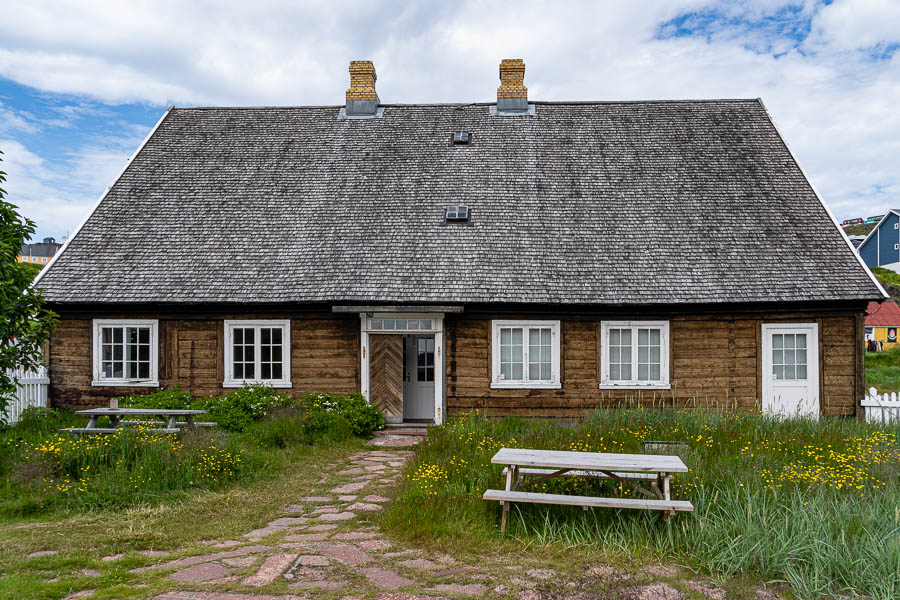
point(326, 544)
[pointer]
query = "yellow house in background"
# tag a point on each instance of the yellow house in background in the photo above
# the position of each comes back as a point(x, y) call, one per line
point(883, 323)
point(39, 253)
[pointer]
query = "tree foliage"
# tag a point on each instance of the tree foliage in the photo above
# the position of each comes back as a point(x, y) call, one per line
point(25, 322)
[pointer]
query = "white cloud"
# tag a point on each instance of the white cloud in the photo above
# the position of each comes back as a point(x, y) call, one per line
point(833, 101)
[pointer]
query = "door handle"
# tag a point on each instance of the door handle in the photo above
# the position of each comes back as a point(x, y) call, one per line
point(408, 376)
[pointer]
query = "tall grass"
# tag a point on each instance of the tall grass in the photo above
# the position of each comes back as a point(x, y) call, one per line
point(815, 504)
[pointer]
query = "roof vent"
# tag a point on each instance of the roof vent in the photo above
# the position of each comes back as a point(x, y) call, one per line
point(462, 138)
point(457, 214)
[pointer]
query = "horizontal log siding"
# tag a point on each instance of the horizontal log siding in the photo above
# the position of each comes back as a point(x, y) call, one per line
point(324, 356)
point(714, 363)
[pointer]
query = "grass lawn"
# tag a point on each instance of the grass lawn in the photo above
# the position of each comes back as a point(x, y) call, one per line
point(79, 499)
point(815, 505)
point(883, 370)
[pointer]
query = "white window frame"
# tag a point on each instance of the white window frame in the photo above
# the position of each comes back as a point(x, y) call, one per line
point(98, 380)
point(663, 383)
point(285, 325)
point(555, 382)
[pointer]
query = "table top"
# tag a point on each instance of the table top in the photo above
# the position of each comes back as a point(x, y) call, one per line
point(138, 411)
point(590, 461)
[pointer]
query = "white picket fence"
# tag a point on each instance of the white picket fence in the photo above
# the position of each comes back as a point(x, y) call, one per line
point(884, 408)
point(31, 390)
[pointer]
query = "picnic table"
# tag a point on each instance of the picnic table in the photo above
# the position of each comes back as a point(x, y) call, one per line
point(119, 417)
point(634, 470)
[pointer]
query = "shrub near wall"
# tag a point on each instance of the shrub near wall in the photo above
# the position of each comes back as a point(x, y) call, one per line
point(232, 412)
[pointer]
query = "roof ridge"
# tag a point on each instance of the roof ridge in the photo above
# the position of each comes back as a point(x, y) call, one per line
point(537, 102)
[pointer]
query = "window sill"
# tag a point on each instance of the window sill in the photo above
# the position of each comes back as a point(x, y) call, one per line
point(271, 384)
point(635, 386)
point(525, 386)
point(109, 383)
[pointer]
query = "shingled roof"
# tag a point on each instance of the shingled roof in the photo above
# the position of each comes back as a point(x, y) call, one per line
point(628, 203)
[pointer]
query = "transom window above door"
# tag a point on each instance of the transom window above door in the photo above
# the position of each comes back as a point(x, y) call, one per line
point(396, 324)
point(525, 354)
point(258, 352)
point(126, 352)
point(635, 354)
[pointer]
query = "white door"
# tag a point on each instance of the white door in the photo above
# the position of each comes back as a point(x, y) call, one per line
point(790, 380)
point(418, 377)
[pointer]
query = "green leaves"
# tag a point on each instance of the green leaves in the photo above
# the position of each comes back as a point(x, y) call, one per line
point(25, 322)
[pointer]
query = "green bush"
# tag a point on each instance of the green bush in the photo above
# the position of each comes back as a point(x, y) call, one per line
point(233, 412)
point(361, 417)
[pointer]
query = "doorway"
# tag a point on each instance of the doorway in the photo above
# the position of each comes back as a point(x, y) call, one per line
point(790, 369)
point(418, 377)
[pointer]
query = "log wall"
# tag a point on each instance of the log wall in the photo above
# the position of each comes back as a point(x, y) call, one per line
point(714, 360)
point(324, 356)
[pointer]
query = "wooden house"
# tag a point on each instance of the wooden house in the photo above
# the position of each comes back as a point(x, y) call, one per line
point(517, 257)
point(881, 247)
point(883, 324)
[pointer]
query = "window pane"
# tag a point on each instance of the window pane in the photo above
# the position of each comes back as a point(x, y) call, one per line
point(626, 371)
point(517, 336)
point(545, 354)
point(238, 336)
point(505, 371)
point(265, 353)
point(534, 371)
point(517, 371)
point(800, 340)
point(265, 371)
point(615, 371)
point(249, 336)
point(426, 323)
point(643, 337)
point(505, 354)
point(789, 372)
point(778, 371)
point(375, 324)
point(643, 372)
point(265, 335)
point(654, 337)
point(643, 354)
point(516, 353)
point(626, 337)
point(505, 336)
point(788, 341)
point(413, 324)
point(107, 352)
point(144, 370)
point(614, 354)
point(534, 337)
point(144, 335)
point(238, 370)
point(654, 372)
point(389, 323)
point(238, 353)
point(801, 357)
point(118, 352)
point(777, 357)
point(249, 370)
point(801, 372)
point(249, 353)
point(277, 371)
point(654, 355)
point(117, 335)
point(546, 336)
point(614, 337)
point(144, 353)
point(276, 353)
point(106, 334)
point(788, 357)
point(778, 340)
point(118, 370)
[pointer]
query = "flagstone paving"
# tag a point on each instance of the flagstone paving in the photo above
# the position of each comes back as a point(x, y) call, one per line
point(326, 544)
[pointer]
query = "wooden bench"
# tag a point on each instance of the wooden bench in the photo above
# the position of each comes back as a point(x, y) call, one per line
point(589, 501)
point(631, 469)
point(177, 423)
point(110, 430)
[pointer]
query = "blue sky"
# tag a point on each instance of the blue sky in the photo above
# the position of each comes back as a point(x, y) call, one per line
point(82, 83)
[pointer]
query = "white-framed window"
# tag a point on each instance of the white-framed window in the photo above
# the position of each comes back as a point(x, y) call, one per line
point(525, 354)
point(43, 259)
point(126, 352)
point(258, 352)
point(635, 354)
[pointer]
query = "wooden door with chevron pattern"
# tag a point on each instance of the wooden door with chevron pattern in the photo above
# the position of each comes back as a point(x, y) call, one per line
point(386, 379)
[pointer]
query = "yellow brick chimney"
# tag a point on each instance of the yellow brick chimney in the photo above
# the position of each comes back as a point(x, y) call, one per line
point(361, 96)
point(512, 95)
